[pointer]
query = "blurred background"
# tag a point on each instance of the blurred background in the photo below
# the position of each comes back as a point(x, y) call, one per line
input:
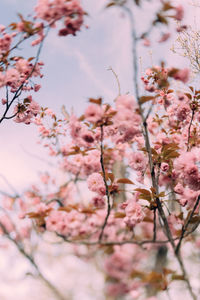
point(75, 69)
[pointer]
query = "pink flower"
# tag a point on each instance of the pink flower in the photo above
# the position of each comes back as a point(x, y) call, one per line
point(87, 136)
point(134, 213)
point(183, 111)
point(179, 189)
point(137, 161)
point(12, 77)
point(182, 75)
point(96, 183)
point(98, 202)
point(164, 167)
point(93, 113)
point(179, 13)
point(192, 177)
point(146, 42)
point(3, 101)
point(52, 11)
point(33, 108)
point(164, 37)
point(37, 87)
point(125, 101)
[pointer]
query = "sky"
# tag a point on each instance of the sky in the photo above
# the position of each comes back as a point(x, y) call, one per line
point(76, 68)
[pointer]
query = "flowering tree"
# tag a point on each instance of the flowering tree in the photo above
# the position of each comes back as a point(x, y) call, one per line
point(135, 158)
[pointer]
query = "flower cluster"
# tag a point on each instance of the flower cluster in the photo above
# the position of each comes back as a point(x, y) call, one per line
point(70, 11)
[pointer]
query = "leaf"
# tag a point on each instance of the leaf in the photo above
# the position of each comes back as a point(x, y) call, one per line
point(145, 197)
point(178, 277)
point(161, 19)
point(145, 99)
point(153, 151)
point(66, 209)
point(168, 271)
point(170, 145)
point(147, 219)
point(81, 118)
point(143, 191)
point(31, 58)
point(153, 190)
point(107, 107)
point(96, 101)
point(167, 6)
point(195, 219)
point(188, 95)
point(111, 177)
point(172, 154)
point(88, 210)
point(120, 215)
point(172, 72)
point(162, 194)
point(136, 273)
point(125, 181)
point(170, 91)
point(192, 89)
point(110, 4)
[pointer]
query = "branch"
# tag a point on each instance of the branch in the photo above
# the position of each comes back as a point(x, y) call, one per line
point(185, 226)
point(154, 225)
point(33, 263)
point(189, 129)
point(106, 186)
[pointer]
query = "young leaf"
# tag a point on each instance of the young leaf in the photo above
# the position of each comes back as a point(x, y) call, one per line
point(125, 181)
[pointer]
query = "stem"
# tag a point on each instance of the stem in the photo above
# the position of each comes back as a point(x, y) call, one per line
point(154, 225)
point(189, 129)
point(185, 226)
point(106, 186)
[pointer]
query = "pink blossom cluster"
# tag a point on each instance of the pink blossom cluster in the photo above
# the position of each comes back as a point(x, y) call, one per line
point(83, 165)
point(70, 11)
point(5, 43)
point(127, 122)
point(96, 183)
point(134, 213)
point(26, 113)
point(65, 223)
point(119, 266)
point(187, 169)
point(157, 76)
point(18, 75)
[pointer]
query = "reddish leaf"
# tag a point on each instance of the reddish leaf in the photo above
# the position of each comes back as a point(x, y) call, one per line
point(125, 181)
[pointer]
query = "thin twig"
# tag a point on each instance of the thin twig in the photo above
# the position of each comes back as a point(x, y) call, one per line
point(154, 225)
point(189, 129)
point(185, 226)
point(33, 263)
point(117, 79)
